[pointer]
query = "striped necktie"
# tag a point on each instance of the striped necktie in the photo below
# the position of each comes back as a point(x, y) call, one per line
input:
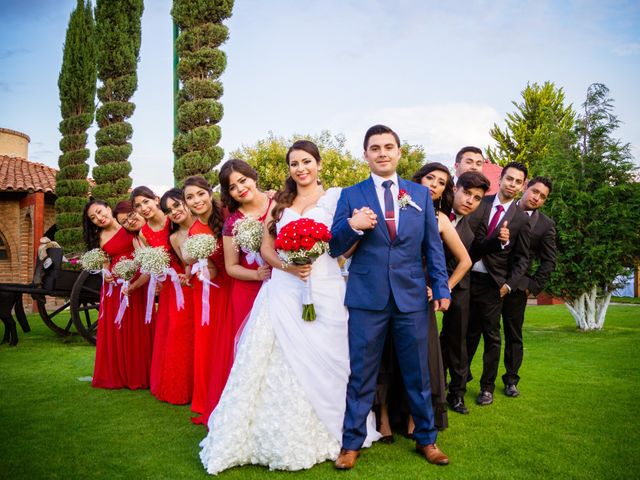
point(389, 215)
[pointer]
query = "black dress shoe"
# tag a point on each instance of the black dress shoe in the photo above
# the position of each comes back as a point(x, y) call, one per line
point(485, 398)
point(457, 404)
point(511, 390)
point(388, 439)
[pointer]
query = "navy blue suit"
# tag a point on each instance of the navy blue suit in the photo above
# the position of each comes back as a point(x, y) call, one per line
point(386, 290)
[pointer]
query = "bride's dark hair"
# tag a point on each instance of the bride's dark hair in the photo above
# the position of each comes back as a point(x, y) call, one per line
point(285, 198)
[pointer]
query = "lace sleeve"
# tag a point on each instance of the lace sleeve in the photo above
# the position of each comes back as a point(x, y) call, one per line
point(227, 229)
point(330, 200)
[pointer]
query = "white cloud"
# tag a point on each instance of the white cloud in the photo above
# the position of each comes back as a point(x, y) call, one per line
point(440, 128)
point(627, 49)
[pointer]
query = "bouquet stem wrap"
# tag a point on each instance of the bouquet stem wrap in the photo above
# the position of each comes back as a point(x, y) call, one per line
point(201, 268)
point(253, 257)
point(124, 302)
point(151, 291)
point(151, 298)
point(173, 275)
point(105, 273)
point(308, 310)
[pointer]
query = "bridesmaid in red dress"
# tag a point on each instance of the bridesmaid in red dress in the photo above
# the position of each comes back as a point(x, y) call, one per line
point(239, 192)
point(172, 360)
point(213, 341)
point(123, 354)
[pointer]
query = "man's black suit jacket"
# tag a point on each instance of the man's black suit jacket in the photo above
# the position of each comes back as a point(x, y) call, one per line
point(508, 264)
point(542, 246)
point(466, 235)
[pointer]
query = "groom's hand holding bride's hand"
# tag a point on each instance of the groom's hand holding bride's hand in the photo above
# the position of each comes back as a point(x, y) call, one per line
point(363, 219)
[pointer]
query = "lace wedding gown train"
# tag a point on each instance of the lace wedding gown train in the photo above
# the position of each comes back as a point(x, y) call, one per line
point(284, 401)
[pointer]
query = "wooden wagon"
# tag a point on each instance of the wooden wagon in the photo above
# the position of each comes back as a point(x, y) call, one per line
point(78, 290)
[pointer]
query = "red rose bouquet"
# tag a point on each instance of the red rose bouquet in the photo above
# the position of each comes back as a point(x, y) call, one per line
point(301, 242)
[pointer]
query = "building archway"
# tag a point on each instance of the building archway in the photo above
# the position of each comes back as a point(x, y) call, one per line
point(5, 251)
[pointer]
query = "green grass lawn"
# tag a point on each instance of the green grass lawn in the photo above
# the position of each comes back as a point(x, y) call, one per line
point(576, 417)
point(634, 300)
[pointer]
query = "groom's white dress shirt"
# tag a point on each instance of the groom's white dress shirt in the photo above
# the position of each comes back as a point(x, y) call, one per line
point(395, 190)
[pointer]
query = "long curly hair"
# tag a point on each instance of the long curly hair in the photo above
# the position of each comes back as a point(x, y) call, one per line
point(90, 231)
point(216, 220)
point(234, 165)
point(445, 203)
point(285, 197)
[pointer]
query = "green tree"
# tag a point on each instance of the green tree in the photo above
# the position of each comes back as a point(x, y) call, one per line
point(200, 64)
point(339, 167)
point(412, 159)
point(118, 41)
point(77, 90)
point(595, 204)
point(529, 129)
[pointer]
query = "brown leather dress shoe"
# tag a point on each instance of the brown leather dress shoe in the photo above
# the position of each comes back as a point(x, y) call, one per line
point(433, 454)
point(347, 459)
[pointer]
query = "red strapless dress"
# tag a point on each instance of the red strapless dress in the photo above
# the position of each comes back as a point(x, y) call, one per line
point(213, 342)
point(123, 354)
point(172, 361)
point(243, 292)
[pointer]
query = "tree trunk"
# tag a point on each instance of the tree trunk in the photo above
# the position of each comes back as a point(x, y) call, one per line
point(588, 310)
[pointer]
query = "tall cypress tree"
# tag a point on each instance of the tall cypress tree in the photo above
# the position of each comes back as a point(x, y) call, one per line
point(200, 65)
point(118, 39)
point(77, 90)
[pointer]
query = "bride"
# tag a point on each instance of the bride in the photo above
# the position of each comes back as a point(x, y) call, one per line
point(284, 402)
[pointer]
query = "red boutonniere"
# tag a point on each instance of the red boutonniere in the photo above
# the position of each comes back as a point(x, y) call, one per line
point(405, 199)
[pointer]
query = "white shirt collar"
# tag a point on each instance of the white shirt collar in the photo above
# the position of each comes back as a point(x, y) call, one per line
point(528, 212)
point(496, 202)
point(377, 179)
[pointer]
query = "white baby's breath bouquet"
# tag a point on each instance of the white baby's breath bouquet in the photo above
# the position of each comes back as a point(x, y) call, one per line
point(247, 236)
point(125, 269)
point(153, 260)
point(93, 260)
point(156, 262)
point(200, 246)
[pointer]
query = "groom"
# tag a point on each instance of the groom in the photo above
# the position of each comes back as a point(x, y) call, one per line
point(392, 222)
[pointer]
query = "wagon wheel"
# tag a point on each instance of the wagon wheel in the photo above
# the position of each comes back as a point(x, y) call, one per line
point(85, 305)
point(54, 317)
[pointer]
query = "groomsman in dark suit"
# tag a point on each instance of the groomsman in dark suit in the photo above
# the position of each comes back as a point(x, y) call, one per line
point(543, 247)
point(469, 192)
point(497, 271)
point(468, 159)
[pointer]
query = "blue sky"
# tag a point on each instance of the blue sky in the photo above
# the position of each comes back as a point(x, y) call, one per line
point(439, 73)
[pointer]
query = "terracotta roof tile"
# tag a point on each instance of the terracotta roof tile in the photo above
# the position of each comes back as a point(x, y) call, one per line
point(20, 175)
point(492, 172)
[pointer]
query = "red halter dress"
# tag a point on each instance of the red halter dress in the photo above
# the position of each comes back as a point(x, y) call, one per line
point(213, 341)
point(244, 292)
point(172, 361)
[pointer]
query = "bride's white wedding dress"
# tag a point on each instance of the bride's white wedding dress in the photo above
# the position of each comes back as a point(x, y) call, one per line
point(284, 402)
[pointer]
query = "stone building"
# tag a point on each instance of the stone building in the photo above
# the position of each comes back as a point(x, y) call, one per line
point(27, 197)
